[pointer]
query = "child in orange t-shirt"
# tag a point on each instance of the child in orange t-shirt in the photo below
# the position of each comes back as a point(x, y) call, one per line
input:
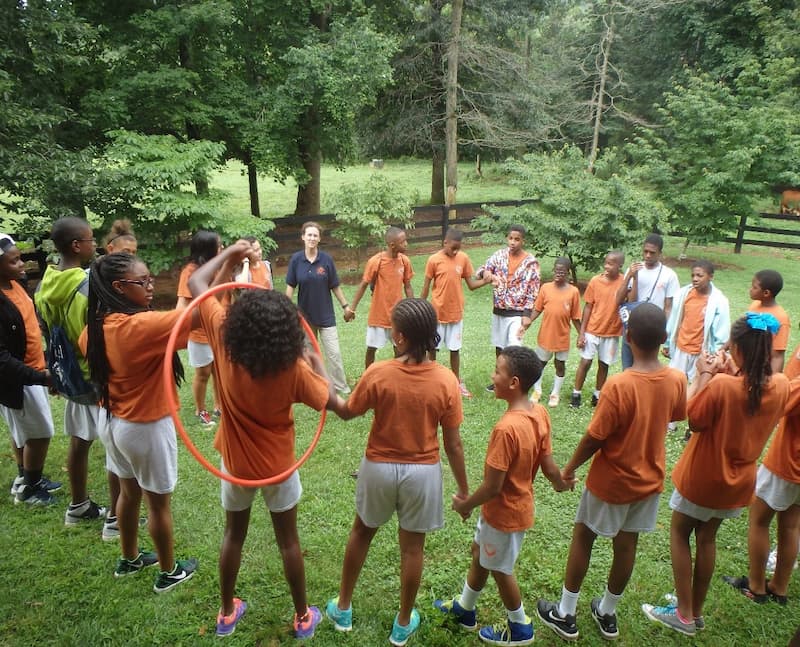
point(445, 269)
point(766, 285)
point(125, 343)
point(518, 446)
point(388, 274)
point(626, 437)
point(258, 343)
point(600, 326)
point(561, 304)
point(716, 474)
point(205, 245)
point(411, 397)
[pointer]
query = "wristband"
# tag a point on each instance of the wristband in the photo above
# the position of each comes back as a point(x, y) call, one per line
point(345, 306)
point(706, 373)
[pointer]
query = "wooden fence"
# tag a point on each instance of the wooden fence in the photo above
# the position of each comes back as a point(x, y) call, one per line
point(745, 228)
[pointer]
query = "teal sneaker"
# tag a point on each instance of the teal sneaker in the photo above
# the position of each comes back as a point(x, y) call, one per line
point(400, 634)
point(668, 616)
point(131, 566)
point(342, 619)
point(508, 633)
point(466, 619)
point(183, 572)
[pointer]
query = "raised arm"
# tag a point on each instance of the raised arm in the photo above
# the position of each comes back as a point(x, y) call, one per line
point(222, 264)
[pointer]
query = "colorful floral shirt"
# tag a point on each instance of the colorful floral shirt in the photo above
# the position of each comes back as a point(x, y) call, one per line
point(517, 292)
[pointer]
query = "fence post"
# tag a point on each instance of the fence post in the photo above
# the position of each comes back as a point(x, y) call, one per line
point(445, 220)
point(737, 248)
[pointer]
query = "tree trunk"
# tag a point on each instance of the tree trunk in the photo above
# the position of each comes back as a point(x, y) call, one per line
point(451, 107)
point(605, 52)
point(308, 194)
point(192, 130)
point(252, 181)
point(437, 179)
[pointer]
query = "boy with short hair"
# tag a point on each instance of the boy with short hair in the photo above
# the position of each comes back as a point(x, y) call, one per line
point(24, 404)
point(445, 269)
point(518, 446)
point(560, 302)
point(766, 285)
point(600, 326)
point(626, 438)
point(389, 274)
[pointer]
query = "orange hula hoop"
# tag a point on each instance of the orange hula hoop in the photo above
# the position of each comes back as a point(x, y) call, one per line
point(172, 401)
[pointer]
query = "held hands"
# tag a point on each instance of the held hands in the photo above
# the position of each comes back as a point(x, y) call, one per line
point(581, 343)
point(569, 480)
point(458, 506)
point(349, 315)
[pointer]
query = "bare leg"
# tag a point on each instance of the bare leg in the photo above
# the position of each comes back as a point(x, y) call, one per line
point(113, 492)
point(580, 552)
point(477, 574)
point(78, 468)
point(369, 358)
point(680, 531)
point(508, 589)
point(758, 544)
point(705, 560)
point(34, 454)
point(128, 505)
point(230, 556)
point(285, 526)
point(602, 375)
point(412, 545)
point(624, 545)
point(160, 527)
point(561, 367)
point(355, 555)
point(788, 536)
point(455, 362)
point(581, 372)
point(199, 386)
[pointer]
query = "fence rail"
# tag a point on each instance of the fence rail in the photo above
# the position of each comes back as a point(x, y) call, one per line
point(744, 228)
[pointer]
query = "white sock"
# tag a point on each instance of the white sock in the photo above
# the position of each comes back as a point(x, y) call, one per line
point(557, 382)
point(569, 602)
point(518, 616)
point(608, 603)
point(574, 392)
point(596, 393)
point(538, 385)
point(468, 598)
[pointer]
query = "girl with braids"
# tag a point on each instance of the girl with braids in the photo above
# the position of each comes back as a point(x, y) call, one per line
point(125, 342)
point(733, 406)
point(411, 397)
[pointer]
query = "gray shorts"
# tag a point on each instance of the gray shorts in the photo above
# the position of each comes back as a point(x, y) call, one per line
point(684, 362)
point(278, 498)
point(681, 504)
point(81, 420)
point(145, 451)
point(499, 550)
point(378, 337)
point(776, 492)
point(608, 519)
point(413, 490)
point(505, 331)
point(605, 348)
point(199, 354)
point(34, 421)
point(547, 355)
point(450, 334)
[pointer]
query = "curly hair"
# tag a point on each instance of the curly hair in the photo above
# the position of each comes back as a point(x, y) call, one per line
point(416, 319)
point(262, 333)
point(756, 349)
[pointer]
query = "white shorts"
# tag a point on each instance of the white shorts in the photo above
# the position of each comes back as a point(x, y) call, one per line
point(413, 490)
point(608, 519)
point(378, 337)
point(34, 420)
point(776, 492)
point(450, 334)
point(498, 550)
point(199, 354)
point(81, 420)
point(545, 355)
point(681, 504)
point(505, 331)
point(278, 498)
point(145, 451)
point(605, 348)
point(684, 362)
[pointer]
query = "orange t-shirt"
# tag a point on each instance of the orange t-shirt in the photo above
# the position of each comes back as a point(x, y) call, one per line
point(392, 273)
point(559, 306)
point(34, 352)
point(447, 295)
point(783, 455)
point(261, 275)
point(692, 326)
point(604, 319)
point(410, 402)
point(632, 418)
point(718, 467)
point(197, 335)
point(256, 430)
point(519, 441)
point(780, 340)
point(135, 346)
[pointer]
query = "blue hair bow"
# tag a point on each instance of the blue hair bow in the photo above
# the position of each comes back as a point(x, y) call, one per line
point(762, 321)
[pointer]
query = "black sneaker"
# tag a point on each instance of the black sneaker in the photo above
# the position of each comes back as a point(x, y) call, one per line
point(595, 400)
point(575, 400)
point(490, 388)
point(564, 626)
point(183, 571)
point(86, 511)
point(130, 566)
point(34, 495)
point(742, 584)
point(606, 623)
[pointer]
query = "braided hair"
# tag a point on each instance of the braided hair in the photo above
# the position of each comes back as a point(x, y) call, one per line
point(416, 319)
point(756, 350)
point(105, 300)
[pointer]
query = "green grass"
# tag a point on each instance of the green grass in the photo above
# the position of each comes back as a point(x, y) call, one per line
point(58, 587)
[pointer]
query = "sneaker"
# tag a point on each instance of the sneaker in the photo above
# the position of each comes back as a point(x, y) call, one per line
point(564, 626)
point(466, 619)
point(537, 395)
point(595, 400)
point(19, 480)
point(553, 400)
point(508, 633)
point(46, 483)
point(699, 623)
point(86, 511)
point(216, 415)
point(205, 418)
point(742, 584)
point(400, 634)
point(342, 620)
point(226, 625)
point(183, 571)
point(34, 495)
point(606, 623)
point(111, 528)
point(668, 616)
point(672, 427)
point(575, 400)
point(304, 627)
point(490, 388)
point(131, 566)
point(464, 390)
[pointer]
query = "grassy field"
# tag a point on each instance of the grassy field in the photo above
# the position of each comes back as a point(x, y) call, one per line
point(59, 588)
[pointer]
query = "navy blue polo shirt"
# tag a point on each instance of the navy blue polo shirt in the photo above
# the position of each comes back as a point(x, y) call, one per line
point(314, 282)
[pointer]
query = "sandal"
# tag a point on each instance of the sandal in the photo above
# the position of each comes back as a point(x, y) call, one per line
point(742, 584)
point(780, 599)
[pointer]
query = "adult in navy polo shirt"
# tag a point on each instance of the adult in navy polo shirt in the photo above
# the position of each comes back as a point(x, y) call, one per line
point(313, 273)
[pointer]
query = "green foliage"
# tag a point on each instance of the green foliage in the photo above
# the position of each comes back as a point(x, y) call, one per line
point(577, 214)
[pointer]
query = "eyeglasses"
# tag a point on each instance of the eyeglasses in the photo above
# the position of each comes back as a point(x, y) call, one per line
point(149, 281)
point(84, 240)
